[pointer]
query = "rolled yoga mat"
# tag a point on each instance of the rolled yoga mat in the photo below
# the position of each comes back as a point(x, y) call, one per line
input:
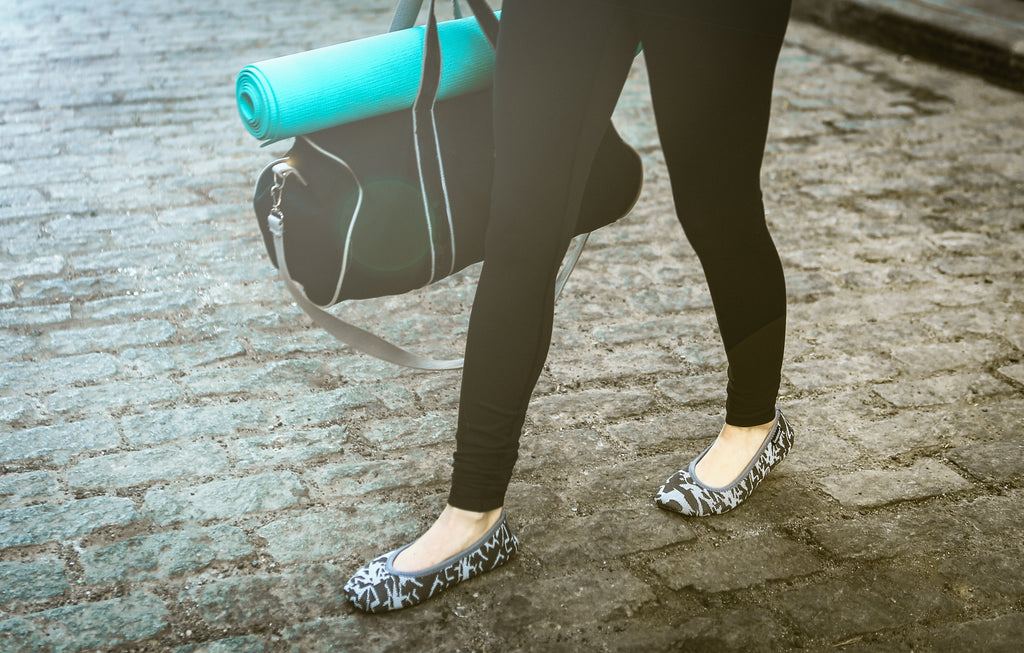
point(305, 92)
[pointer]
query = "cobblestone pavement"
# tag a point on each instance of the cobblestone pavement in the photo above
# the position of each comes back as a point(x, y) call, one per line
point(186, 465)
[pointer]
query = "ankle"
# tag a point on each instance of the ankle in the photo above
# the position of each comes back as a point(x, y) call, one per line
point(470, 518)
point(733, 433)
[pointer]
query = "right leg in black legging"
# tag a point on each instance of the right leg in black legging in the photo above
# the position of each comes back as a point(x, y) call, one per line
point(559, 71)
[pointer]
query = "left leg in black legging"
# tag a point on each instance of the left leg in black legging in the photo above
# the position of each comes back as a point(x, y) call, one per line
point(711, 69)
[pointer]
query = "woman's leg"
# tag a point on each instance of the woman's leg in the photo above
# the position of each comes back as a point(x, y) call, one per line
point(559, 71)
point(711, 67)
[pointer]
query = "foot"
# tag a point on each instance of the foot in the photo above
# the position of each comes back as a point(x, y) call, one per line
point(454, 531)
point(720, 488)
point(735, 447)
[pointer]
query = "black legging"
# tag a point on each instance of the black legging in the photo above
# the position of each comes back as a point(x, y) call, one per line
point(560, 68)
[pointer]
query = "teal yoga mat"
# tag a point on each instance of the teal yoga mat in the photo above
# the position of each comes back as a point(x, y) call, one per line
point(309, 91)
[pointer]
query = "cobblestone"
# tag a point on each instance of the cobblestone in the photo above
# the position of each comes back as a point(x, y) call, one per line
point(843, 608)
point(147, 465)
point(316, 536)
point(48, 522)
point(738, 564)
point(59, 440)
point(996, 462)
point(114, 336)
point(223, 498)
point(156, 426)
point(77, 627)
point(876, 487)
point(175, 435)
point(30, 581)
point(163, 555)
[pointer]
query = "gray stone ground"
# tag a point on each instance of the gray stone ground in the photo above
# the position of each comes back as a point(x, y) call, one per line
point(188, 466)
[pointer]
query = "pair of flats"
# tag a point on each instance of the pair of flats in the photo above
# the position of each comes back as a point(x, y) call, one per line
point(379, 587)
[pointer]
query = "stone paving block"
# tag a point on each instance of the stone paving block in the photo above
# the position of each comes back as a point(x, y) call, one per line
point(87, 626)
point(695, 389)
point(196, 354)
point(747, 629)
point(992, 576)
point(671, 430)
point(361, 477)
point(286, 446)
point(909, 532)
point(671, 300)
point(590, 597)
point(993, 462)
point(15, 409)
point(617, 365)
point(917, 429)
point(163, 555)
point(59, 440)
point(878, 487)
point(153, 427)
point(294, 377)
point(590, 406)
point(46, 522)
point(998, 635)
point(27, 485)
point(114, 308)
point(674, 327)
point(111, 337)
point(23, 582)
point(148, 465)
point(247, 643)
point(342, 633)
point(118, 260)
point(981, 321)
point(816, 446)
point(62, 290)
point(736, 564)
point(109, 397)
point(585, 447)
point(710, 355)
point(40, 266)
point(402, 432)
point(34, 315)
point(57, 372)
point(927, 359)
point(940, 390)
point(1015, 372)
point(866, 603)
point(320, 407)
point(314, 536)
point(298, 594)
point(224, 498)
point(599, 536)
point(826, 373)
point(998, 516)
point(14, 346)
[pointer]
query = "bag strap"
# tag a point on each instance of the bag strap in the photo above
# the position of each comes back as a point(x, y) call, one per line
point(348, 333)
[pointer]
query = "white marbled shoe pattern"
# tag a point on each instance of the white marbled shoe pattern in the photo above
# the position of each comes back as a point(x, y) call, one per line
point(684, 493)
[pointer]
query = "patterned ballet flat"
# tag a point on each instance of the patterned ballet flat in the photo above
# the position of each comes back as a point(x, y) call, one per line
point(379, 587)
point(683, 492)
